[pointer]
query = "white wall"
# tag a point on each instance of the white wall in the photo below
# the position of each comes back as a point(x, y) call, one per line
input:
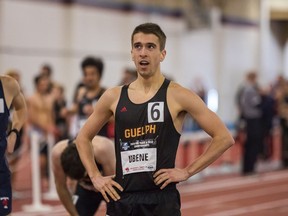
point(197, 58)
point(33, 33)
point(240, 51)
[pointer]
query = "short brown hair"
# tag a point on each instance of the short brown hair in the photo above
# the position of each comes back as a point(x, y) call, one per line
point(71, 162)
point(151, 28)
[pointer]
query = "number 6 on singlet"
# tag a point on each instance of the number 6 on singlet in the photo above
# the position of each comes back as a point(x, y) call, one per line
point(155, 112)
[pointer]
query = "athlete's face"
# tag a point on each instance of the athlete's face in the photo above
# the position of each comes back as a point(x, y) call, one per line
point(146, 54)
point(91, 77)
point(43, 85)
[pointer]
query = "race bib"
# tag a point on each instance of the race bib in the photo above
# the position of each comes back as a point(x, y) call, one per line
point(155, 112)
point(140, 156)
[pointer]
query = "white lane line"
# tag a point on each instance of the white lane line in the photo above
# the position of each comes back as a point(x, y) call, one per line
point(252, 208)
point(230, 183)
point(235, 196)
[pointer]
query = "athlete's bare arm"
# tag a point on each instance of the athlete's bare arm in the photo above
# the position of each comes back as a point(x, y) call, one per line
point(60, 178)
point(15, 98)
point(103, 111)
point(181, 101)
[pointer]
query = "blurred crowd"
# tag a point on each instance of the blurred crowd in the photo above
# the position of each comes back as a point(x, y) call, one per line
point(262, 109)
point(49, 114)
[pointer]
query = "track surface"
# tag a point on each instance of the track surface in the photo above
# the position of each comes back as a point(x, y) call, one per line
point(259, 195)
point(221, 194)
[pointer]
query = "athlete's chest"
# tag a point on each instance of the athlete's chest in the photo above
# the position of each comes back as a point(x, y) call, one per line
point(149, 112)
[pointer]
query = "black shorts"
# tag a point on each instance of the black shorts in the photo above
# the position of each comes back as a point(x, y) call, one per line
point(154, 203)
point(86, 201)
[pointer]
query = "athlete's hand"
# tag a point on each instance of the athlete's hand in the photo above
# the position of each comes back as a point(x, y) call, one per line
point(105, 185)
point(166, 176)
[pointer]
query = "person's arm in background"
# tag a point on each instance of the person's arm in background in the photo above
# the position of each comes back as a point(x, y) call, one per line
point(60, 179)
point(105, 154)
point(17, 100)
point(74, 107)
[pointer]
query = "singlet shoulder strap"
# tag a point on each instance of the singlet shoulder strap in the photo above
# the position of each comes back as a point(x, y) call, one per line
point(165, 83)
point(125, 87)
point(2, 95)
point(124, 90)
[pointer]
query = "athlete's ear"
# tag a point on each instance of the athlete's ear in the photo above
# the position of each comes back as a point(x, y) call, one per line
point(163, 55)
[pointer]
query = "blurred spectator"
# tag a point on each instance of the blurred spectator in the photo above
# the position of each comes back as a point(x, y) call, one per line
point(60, 111)
point(89, 94)
point(240, 122)
point(199, 88)
point(282, 108)
point(250, 107)
point(128, 76)
point(278, 85)
point(41, 118)
point(268, 113)
point(79, 86)
point(46, 71)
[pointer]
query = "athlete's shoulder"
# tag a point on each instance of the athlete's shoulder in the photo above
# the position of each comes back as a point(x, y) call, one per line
point(112, 93)
point(59, 147)
point(174, 85)
point(6, 78)
point(176, 88)
point(11, 86)
point(181, 96)
point(115, 89)
point(9, 82)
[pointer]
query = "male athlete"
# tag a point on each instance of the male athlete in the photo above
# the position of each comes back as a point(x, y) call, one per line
point(10, 95)
point(149, 115)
